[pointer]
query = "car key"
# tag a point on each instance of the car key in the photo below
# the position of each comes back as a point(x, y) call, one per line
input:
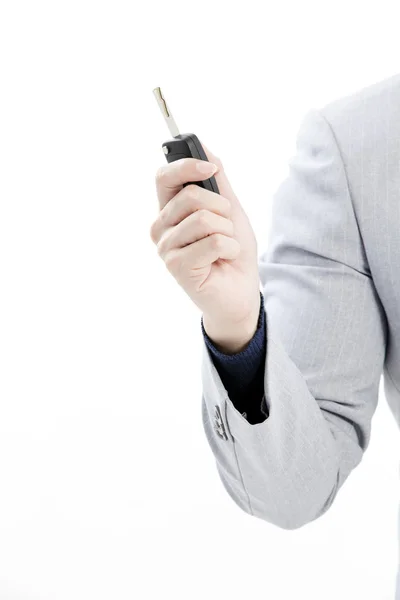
point(183, 145)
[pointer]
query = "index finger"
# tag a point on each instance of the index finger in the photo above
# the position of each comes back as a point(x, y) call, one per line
point(170, 178)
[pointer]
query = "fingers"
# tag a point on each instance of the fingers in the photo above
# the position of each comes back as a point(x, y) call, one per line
point(196, 226)
point(212, 158)
point(170, 178)
point(223, 183)
point(189, 200)
point(182, 261)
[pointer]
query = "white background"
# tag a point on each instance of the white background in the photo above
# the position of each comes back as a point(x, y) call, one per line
point(108, 489)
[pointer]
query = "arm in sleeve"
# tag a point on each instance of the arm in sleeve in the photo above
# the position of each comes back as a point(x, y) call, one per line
point(242, 373)
point(325, 346)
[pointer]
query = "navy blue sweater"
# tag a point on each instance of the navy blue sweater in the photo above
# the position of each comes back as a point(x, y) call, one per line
point(243, 373)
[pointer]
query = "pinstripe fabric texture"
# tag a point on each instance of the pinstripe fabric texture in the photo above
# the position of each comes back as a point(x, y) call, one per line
point(330, 277)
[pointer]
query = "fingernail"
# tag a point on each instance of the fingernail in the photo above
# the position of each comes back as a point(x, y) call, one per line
point(206, 167)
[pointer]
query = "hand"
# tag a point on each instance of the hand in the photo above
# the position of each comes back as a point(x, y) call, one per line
point(207, 243)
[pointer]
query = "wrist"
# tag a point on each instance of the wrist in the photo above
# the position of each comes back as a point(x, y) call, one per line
point(229, 337)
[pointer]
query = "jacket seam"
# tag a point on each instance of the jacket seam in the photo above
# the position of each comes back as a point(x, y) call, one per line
point(346, 178)
point(334, 138)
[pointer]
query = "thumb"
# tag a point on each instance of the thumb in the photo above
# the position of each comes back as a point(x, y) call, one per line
point(224, 186)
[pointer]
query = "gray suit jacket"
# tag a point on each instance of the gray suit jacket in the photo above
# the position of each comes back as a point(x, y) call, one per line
point(331, 283)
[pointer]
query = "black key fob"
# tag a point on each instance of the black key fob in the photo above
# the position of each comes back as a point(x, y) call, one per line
point(185, 145)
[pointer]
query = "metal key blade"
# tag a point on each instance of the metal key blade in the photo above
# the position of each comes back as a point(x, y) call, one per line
point(169, 119)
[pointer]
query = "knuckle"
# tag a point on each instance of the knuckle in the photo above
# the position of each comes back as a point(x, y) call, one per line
point(164, 243)
point(203, 221)
point(202, 216)
point(172, 261)
point(160, 175)
point(216, 241)
point(160, 247)
point(162, 218)
point(192, 191)
point(153, 231)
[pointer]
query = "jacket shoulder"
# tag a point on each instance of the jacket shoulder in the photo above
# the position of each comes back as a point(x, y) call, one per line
point(379, 98)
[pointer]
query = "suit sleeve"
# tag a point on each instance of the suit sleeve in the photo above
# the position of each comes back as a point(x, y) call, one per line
point(325, 339)
point(242, 373)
